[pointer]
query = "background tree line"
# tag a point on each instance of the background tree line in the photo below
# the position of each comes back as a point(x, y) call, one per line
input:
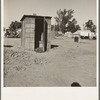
point(89, 25)
point(65, 22)
point(14, 30)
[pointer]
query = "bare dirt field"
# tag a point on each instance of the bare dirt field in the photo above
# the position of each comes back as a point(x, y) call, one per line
point(66, 62)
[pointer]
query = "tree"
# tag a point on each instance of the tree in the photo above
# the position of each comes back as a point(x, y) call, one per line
point(56, 27)
point(7, 33)
point(72, 26)
point(64, 18)
point(93, 29)
point(14, 26)
point(90, 26)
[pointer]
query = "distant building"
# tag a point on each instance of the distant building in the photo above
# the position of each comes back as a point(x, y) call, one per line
point(85, 34)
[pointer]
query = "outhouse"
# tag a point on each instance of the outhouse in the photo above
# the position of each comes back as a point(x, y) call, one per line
point(76, 36)
point(36, 32)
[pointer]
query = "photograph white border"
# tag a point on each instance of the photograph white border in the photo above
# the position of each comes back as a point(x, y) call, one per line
point(48, 93)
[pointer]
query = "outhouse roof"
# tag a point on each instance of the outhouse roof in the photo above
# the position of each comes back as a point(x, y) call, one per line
point(32, 16)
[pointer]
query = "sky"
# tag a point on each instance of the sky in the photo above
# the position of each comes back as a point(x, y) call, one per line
point(84, 10)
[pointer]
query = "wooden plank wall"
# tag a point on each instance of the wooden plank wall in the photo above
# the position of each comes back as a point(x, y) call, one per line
point(28, 33)
point(48, 34)
point(22, 37)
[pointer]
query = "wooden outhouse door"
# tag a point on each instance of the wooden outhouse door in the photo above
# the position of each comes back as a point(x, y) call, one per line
point(40, 33)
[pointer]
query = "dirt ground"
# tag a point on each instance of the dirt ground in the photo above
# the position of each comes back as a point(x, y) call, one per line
point(66, 62)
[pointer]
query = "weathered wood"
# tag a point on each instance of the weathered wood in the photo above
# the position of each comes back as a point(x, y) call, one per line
point(29, 35)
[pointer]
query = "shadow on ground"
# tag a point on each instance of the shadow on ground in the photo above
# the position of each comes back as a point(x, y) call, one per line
point(54, 46)
point(9, 46)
